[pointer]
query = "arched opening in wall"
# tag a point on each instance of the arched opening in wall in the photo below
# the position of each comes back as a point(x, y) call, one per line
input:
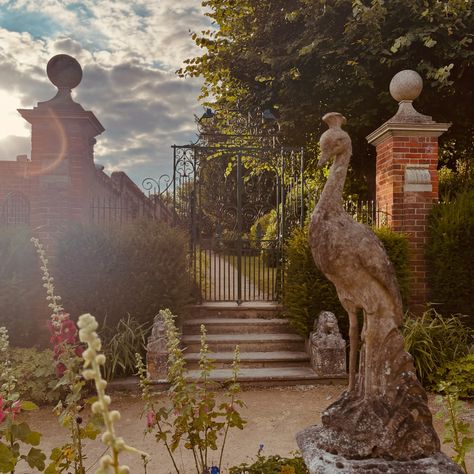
point(15, 209)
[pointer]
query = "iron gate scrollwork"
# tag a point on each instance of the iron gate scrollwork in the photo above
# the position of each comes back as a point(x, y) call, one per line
point(236, 195)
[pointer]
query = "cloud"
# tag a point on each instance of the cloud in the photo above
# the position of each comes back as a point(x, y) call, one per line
point(12, 146)
point(129, 51)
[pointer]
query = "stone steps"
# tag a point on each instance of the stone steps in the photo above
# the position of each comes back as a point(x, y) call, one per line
point(223, 360)
point(270, 353)
point(268, 376)
point(231, 325)
point(220, 311)
point(246, 342)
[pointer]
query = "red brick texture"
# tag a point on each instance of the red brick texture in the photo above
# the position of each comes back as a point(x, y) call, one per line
point(408, 210)
point(61, 180)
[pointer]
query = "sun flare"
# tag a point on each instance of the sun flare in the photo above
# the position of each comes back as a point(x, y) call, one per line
point(11, 122)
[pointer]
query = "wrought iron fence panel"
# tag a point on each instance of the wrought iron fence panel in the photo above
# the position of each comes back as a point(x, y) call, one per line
point(15, 210)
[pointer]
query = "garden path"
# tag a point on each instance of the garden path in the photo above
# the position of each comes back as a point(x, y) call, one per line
point(274, 417)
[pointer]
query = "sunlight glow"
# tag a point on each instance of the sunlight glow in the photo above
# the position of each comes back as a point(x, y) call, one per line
point(11, 123)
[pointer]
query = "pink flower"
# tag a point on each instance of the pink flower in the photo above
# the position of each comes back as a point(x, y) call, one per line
point(150, 419)
point(3, 414)
point(16, 408)
point(60, 369)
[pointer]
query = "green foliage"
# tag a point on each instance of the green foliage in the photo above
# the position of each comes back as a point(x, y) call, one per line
point(35, 375)
point(341, 56)
point(396, 246)
point(435, 341)
point(120, 344)
point(17, 441)
point(273, 464)
point(457, 180)
point(198, 419)
point(130, 270)
point(20, 288)
point(457, 432)
point(450, 254)
point(460, 373)
point(307, 292)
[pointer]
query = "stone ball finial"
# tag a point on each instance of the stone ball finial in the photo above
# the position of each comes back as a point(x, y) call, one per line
point(64, 71)
point(406, 85)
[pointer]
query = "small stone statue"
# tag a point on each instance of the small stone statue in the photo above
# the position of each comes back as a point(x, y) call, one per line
point(157, 351)
point(327, 347)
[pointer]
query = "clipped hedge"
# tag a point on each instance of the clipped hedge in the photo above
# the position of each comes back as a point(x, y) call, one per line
point(22, 305)
point(136, 270)
point(307, 292)
point(450, 255)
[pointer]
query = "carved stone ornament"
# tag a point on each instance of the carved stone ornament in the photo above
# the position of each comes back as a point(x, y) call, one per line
point(383, 415)
point(327, 347)
point(157, 351)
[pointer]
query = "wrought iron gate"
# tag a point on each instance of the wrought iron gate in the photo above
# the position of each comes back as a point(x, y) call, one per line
point(236, 217)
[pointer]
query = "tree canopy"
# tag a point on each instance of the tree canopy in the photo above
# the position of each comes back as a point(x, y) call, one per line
point(304, 58)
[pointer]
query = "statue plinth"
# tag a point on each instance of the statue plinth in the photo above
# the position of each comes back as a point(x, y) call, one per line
point(321, 461)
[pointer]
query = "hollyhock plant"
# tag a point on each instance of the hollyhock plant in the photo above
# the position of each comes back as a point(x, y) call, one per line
point(67, 353)
point(15, 436)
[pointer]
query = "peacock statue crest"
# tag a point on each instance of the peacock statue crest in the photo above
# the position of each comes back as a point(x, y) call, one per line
point(383, 413)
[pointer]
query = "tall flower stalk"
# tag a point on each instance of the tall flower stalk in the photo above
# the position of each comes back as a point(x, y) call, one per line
point(67, 354)
point(194, 419)
point(93, 361)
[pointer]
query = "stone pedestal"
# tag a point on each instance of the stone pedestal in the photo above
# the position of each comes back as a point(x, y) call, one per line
point(320, 461)
point(327, 348)
point(157, 351)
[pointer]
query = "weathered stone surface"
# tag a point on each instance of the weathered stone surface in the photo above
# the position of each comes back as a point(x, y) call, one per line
point(327, 347)
point(157, 351)
point(384, 413)
point(405, 87)
point(320, 461)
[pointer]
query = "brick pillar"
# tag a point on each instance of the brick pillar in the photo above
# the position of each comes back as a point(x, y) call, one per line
point(406, 175)
point(62, 148)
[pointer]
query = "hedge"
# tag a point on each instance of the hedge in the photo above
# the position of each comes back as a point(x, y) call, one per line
point(23, 308)
point(307, 292)
point(450, 255)
point(136, 270)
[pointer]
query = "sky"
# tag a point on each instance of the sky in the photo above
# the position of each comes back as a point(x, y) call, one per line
point(129, 51)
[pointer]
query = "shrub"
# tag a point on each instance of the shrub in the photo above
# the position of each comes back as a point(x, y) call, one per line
point(35, 374)
point(435, 341)
point(21, 292)
point(460, 373)
point(396, 245)
point(307, 292)
point(121, 344)
point(450, 254)
point(131, 270)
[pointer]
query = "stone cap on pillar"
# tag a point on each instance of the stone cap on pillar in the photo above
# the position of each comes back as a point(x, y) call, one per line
point(405, 87)
point(65, 73)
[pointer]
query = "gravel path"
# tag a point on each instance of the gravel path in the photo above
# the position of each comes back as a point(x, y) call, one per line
point(274, 416)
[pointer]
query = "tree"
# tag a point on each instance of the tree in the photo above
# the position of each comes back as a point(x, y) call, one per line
point(307, 57)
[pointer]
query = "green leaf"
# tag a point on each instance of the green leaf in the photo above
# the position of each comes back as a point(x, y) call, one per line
point(28, 406)
point(7, 460)
point(36, 458)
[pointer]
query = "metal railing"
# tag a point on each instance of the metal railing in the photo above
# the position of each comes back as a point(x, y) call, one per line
point(15, 210)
